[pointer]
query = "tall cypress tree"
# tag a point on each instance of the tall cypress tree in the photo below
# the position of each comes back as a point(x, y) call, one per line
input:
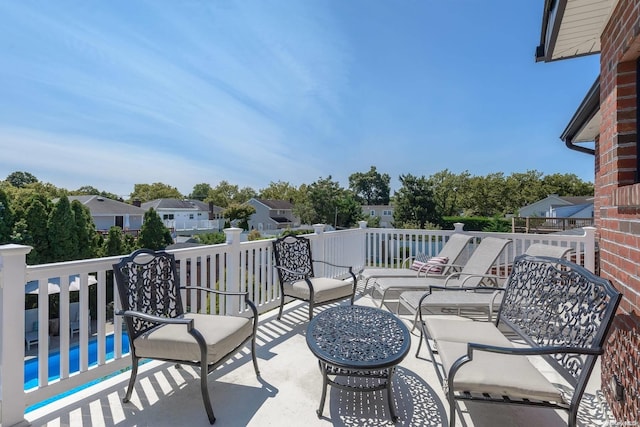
point(6, 218)
point(36, 217)
point(153, 234)
point(63, 240)
point(85, 230)
point(114, 245)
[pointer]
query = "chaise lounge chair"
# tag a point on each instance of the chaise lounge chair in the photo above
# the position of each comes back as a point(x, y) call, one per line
point(473, 273)
point(473, 298)
point(451, 253)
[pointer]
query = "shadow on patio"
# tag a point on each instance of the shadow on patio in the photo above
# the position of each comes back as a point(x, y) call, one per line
point(287, 394)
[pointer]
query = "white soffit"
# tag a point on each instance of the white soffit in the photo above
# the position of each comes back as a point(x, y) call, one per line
point(590, 130)
point(580, 28)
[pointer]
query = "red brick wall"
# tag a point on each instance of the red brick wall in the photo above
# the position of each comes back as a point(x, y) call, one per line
point(617, 202)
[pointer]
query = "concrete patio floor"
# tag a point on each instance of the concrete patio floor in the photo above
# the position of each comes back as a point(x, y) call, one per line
point(288, 392)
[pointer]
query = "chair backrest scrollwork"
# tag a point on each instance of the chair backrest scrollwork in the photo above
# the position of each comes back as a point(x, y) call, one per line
point(294, 254)
point(147, 282)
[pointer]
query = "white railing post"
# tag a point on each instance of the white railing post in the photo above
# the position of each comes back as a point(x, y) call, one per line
point(12, 281)
point(362, 262)
point(318, 249)
point(590, 248)
point(233, 267)
point(458, 227)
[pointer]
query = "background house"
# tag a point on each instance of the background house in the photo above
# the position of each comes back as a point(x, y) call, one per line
point(107, 213)
point(559, 207)
point(272, 215)
point(606, 126)
point(384, 212)
point(187, 216)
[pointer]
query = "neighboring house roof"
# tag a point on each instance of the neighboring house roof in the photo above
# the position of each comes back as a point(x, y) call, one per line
point(554, 200)
point(275, 204)
point(179, 204)
point(103, 206)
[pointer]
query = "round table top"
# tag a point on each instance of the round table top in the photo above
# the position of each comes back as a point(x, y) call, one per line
point(356, 337)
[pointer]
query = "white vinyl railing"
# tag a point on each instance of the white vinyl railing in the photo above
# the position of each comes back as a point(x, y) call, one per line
point(234, 265)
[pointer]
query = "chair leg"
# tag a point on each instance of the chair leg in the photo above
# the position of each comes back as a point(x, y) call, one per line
point(132, 378)
point(205, 393)
point(281, 306)
point(253, 356)
point(310, 310)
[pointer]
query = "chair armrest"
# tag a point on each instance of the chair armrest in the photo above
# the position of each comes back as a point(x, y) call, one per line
point(468, 288)
point(531, 351)
point(350, 268)
point(247, 301)
point(408, 260)
point(156, 319)
point(215, 291)
point(333, 265)
point(494, 277)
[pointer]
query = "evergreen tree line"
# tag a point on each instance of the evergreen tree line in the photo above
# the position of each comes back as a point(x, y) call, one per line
point(64, 231)
point(59, 230)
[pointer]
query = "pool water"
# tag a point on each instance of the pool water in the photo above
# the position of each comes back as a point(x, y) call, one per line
point(31, 366)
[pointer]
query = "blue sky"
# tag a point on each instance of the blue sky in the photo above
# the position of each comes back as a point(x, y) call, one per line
point(115, 93)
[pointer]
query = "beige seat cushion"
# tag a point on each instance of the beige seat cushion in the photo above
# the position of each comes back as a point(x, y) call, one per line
point(465, 331)
point(222, 334)
point(454, 299)
point(325, 289)
point(497, 374)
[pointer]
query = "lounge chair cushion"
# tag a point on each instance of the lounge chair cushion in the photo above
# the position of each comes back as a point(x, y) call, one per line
point(325, 289)
point(497, 374)
point(222, 334)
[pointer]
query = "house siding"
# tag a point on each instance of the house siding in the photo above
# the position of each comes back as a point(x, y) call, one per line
point(617, 203)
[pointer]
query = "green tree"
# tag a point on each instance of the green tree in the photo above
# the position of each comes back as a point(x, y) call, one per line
point(153, 234)
point(240, 213)
point(323, 196)
point(487, 195)
point(157, 190)
point(211, 238)
point(88, 190)
point(114, 244)
point(414, 202)
point(36, 232)
point(371, 188)
point(6, 218)
point(63, 243)
point(85, 231)
point(200, 191)
point(225, 194)
point(566, 185)
point(279, 191)
point(522, 189)
point(326, 202)
point(21, 179)
point(448, 191)
point(349, 210)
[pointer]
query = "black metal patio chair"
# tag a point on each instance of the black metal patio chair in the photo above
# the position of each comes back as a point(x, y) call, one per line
point(294, 264)
point(158, 327)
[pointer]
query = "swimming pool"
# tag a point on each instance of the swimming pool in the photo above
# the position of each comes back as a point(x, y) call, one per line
point(31, 366)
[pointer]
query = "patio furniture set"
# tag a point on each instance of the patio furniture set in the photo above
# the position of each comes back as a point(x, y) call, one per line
point(546, 300)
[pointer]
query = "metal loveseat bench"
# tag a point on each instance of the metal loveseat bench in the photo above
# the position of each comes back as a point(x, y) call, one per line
point(551, 308)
